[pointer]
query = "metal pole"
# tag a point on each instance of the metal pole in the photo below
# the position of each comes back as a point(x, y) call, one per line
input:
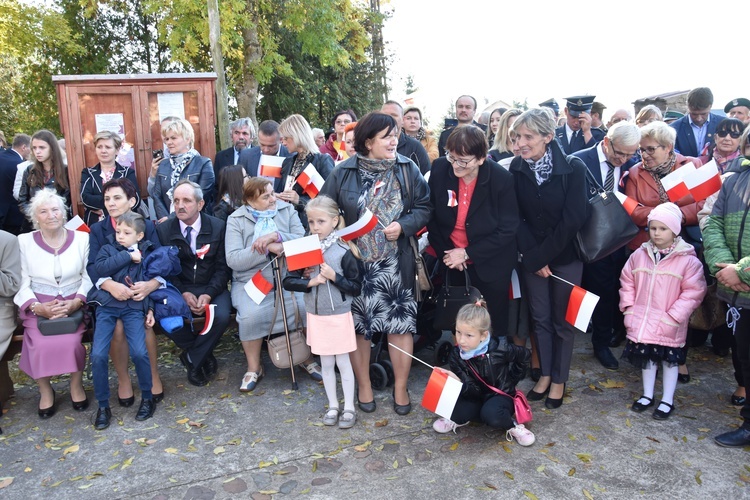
point(280, 296)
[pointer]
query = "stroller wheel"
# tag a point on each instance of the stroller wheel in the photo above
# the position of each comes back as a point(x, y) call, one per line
point(443, 352)
point(386, 363)
point(378, 376)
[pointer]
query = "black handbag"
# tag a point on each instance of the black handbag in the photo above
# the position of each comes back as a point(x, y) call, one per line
point(608, 226)
point(60, 326)
point(452, 298)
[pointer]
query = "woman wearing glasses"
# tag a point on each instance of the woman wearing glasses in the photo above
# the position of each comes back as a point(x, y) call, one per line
point(644, 183)
point(334, 146)
point(551, 195)
point(474, 221)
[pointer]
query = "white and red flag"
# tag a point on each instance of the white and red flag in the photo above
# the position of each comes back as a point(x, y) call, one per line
point(303, 252)
point(452, 200)
point(514, 292)
point(674, 183)
point(310, 180)
point(270, 166)
point(628, 203)
point(441, 393)
point(258, 287)
point(581, 305)
point(704, 181)
point(77, 224)
point(364, 225)
point(210, 310)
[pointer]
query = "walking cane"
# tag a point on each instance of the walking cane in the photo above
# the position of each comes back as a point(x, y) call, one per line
point(280, 297)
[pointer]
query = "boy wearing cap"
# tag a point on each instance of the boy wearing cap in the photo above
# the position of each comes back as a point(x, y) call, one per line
point(577, 133)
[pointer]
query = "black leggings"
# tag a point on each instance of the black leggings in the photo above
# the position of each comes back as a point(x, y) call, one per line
point(496, 412)
point(742, 337)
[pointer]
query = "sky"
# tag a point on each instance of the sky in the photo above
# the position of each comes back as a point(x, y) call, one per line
point(619, 51)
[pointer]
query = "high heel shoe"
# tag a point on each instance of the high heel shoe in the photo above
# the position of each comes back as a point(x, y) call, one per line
point(401, 409)
point(158, 398)
point(532, 395)
point(552, 403)
point(126, 402)
point(80, 405)
point(48, 412)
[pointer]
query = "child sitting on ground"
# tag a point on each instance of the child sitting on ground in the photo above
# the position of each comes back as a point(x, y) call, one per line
point(480, 360)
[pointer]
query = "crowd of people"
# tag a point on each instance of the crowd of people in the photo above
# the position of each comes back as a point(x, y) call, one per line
point(498, 200)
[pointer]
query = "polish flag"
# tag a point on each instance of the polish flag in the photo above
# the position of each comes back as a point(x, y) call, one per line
point(303, 252)
point(364, 225)
point(704, 181)
point(514, 292)
point(581, 306)
point(270, 166)
point(628, 203)
point(441, 393)
point(258, 287)
point(310, 180)
point(202, 251)
point(452, 201)
point(77, 224)
point(210, 309)
point(674, 183)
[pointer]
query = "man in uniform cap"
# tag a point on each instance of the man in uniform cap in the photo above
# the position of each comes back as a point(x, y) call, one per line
point(672, 115)
point(577, 133)
point(551, 104)
point(597, 111)
point(739, 108)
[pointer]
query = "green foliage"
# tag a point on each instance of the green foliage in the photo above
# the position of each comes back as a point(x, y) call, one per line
point(521, 105)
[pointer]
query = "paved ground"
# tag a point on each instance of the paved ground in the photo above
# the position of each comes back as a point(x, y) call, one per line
point(214, 442)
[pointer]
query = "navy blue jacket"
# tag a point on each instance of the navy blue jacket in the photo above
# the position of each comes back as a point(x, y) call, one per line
point(10, 214)
point(591, 158)
point(250, 159)
point(103, 233)
point(685, 142)
point(578, 144)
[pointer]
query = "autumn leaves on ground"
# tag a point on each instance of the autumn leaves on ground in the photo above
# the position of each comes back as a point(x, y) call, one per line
point(214, 442)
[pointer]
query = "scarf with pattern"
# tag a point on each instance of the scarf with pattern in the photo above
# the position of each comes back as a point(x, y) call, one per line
point(660, 171)
point(264, 222)
point(179, 162)
point(381, 194)
point(542, 168)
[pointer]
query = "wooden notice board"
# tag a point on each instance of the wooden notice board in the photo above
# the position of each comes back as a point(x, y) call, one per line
point(132, 105)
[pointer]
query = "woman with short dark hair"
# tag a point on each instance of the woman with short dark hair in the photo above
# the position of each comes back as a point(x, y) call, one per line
point(393, 189)
point(474, 220)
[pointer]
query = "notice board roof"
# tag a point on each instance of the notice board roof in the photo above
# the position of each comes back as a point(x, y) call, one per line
point(132, 78)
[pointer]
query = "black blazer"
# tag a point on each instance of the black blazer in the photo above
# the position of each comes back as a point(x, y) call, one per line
point(224, 158)
point(578, 144)
point(551, 214)
point(92, 196)
point(491, 223)
point(590, 157)
point(10, 214)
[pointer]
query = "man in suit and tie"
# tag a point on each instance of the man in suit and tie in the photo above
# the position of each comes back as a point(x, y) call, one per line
point(696, 129)
point(11, 218)
point(609, 162)
point(243, 135)
point(578, 133)
point(269, 141)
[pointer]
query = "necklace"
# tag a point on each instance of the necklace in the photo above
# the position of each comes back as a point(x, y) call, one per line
point(56, 248)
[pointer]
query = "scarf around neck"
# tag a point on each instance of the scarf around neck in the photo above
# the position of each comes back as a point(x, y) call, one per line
point(477, 351)
point(179, 162)
point(660, 171)
point(542, 167)
point(264, 223)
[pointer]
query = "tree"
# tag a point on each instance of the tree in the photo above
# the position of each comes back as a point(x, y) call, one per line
point(521, 105)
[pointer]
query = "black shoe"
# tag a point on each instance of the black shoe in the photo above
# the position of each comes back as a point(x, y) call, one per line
point(102, 418)
point(683, 377)
point(48, 412)
point(605, 357)
point(738, 400)
point(734, 439)
point(552, 403)
point(663, 415)
point(532, 395)
point(617, 339)
point(210, 366)
point(146, 410)
point(196, 377)
point(126, 402)
point(184, 360)
point(80, 405)
point(401, 409)
point(367, 407)
point(721, 351)
point(640, 407)
point(158, 398)
point(536, 374)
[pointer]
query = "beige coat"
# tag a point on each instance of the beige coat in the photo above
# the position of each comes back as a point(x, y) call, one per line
point(10, 281)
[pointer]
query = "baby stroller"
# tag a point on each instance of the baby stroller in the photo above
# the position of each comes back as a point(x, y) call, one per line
point(427, 337)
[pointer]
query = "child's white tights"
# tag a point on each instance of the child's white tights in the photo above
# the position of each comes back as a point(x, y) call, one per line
point(669, 383)
point(328, 364)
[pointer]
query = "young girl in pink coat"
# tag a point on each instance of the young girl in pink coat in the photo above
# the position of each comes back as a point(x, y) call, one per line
point(661, 285)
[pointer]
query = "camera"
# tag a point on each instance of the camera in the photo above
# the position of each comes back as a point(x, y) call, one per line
point(157, 153)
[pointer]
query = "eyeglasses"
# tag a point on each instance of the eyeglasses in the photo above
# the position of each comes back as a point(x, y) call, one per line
point(458, 162)
point(342, 122)
point(650, 150)
point(733, 134)
point(619, 154)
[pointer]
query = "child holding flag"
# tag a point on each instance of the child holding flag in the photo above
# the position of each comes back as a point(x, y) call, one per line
point(485, 363)
point(329, 289)
point(661, 285)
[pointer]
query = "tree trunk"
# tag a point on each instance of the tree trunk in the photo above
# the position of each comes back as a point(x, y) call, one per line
point(214, 36)
point(247, 87)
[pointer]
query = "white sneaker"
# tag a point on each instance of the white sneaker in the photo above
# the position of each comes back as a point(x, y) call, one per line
point(445, 425)
point(523, 436)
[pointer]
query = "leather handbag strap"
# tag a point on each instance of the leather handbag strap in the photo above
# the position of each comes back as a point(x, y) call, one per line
point(492, 388)
point(447, 279)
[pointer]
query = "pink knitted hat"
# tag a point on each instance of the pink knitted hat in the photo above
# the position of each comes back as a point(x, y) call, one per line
point(668, 214)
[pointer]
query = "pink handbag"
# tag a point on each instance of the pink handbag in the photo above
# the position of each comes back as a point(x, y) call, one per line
point(520, 403)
